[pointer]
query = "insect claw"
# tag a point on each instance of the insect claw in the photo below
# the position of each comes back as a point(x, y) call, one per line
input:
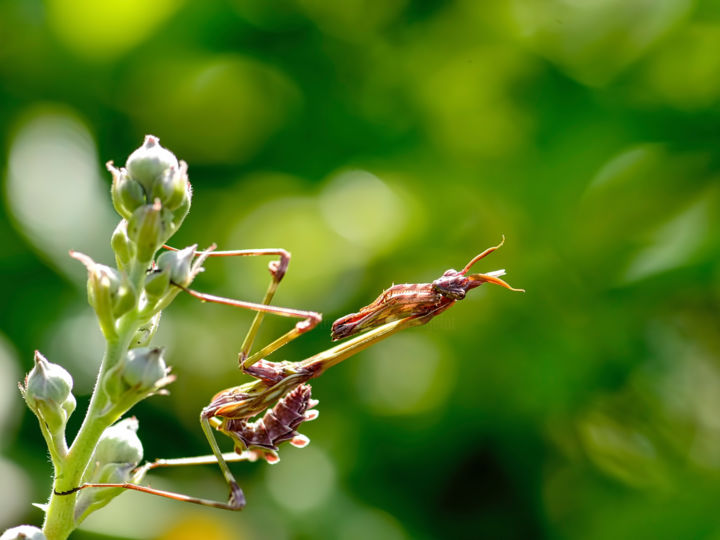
point(237, 497)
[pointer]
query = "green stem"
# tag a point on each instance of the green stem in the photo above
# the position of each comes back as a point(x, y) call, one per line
point(56, 444)
point(59, 517)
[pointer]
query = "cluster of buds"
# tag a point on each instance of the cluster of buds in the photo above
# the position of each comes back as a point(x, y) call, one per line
point(152, 193)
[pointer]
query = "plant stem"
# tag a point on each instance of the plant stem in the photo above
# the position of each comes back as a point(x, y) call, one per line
point(59, 517)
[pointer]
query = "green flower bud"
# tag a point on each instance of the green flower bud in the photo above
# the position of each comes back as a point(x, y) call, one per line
point(105, 280)
point(178, 264)
point(90, 500)
point(127, 194)
point(48, 393)
point(148, 230)
point(114, 473)
point(23, 532)
point(157, 284)
point(109, 293)
point(146, 332)
point(179, 214)
point(172, 188)
point(145, 368)
point(121, 245)
point(148, 164)
point(117, 453)
point(119, 444)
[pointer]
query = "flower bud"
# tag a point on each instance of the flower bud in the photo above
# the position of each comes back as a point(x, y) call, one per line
point(179, 264)
point(182, 210)
point(105, 280)
point(148, 164)
point(147, 229)
point(127, 194)
point(23, 532)
point(123, 300)
point(145, 368)
point(90, 500)
point(116, 455)
point(119, 444)
point(146, 332)
point(157, 284)
point(121, 245)
point(48, 393)
point(109, 292)
point(172, 188)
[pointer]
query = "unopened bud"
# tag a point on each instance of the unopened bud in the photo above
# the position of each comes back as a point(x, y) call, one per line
point(179, 264)
point(157, 284)
point(146, 332)
point(172, 187)
point(119, 443)
point(48, 392)
point(115, 473)
point(147, 229)
point(179, 214)
point(121, 245)
point(109, 292)
point(117, 453)
point(90, 500)
point(23, 532)
point(148, 164)
point(106, 281)
point(145, 368)
point(123, 300)
point(127, 194)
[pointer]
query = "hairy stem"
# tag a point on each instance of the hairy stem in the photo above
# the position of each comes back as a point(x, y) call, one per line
point(59, 517)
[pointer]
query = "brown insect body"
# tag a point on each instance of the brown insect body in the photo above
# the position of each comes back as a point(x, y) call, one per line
point(252, 398)
point(276, 426)
point(417, 299)
point(397, 302)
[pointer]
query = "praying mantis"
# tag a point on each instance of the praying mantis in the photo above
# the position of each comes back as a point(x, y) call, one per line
point(281, 388)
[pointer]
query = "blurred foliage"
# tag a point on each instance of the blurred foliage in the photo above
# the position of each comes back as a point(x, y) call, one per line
point(384, 141)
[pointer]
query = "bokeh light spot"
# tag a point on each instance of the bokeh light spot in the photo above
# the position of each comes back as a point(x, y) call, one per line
point(9, 377)
point(303, 481)
point(595, 40)
point(683, 73)
point(320, 255)
point(673, 243)
point(371, 523)
point(104, 30)
point(15, 494)
point(351, 19)
point(211, 109)
point(468, 100)
point(199, 525)
point(405, 375)
point(77, 344)
point(54, 190)
point(362, 208)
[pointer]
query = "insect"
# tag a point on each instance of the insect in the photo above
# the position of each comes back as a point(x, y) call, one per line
point(281, 389)
point(418, 299)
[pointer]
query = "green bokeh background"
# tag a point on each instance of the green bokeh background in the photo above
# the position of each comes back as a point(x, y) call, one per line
point(385, 141)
